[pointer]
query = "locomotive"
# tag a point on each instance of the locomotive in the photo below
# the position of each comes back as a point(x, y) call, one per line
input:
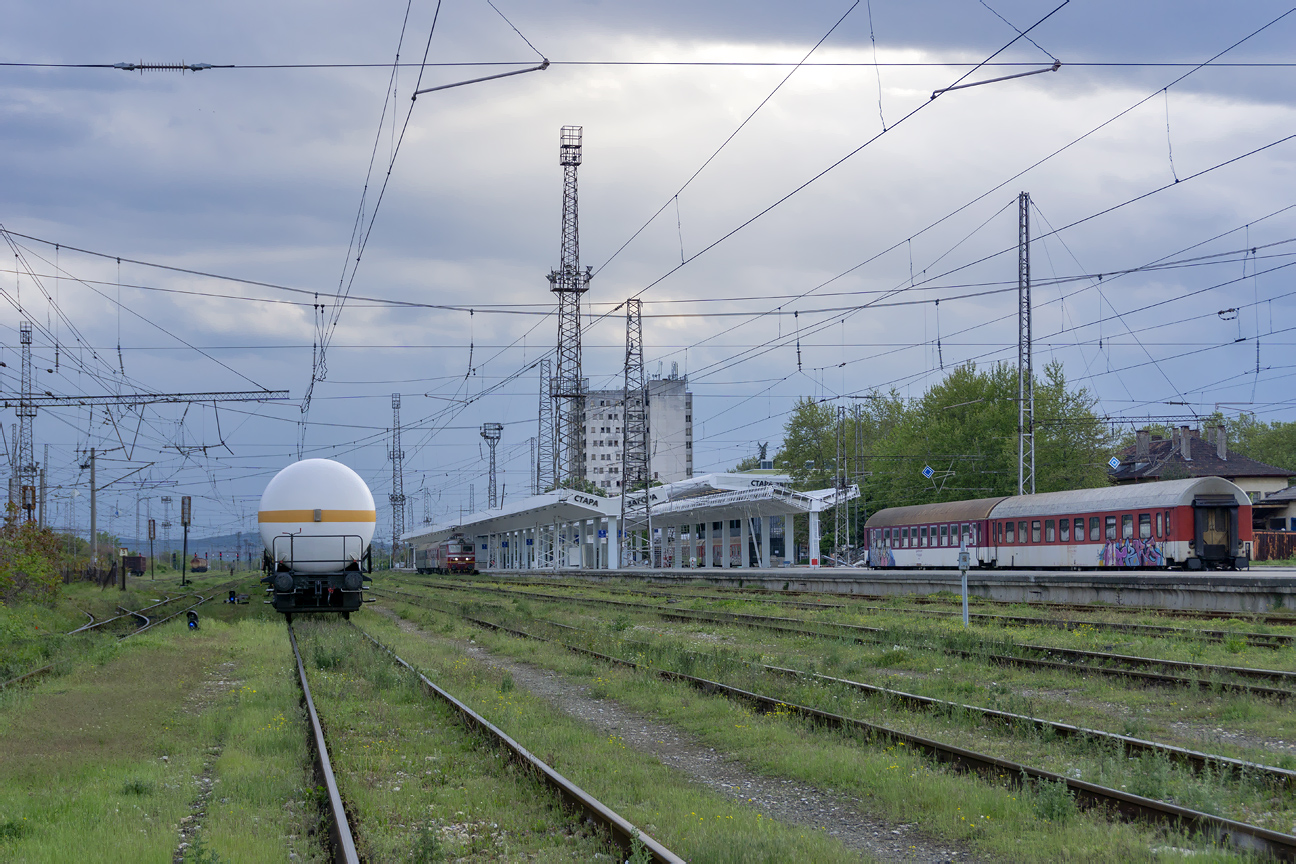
point(1198, 523)
point(453, 555)
point(317, 518)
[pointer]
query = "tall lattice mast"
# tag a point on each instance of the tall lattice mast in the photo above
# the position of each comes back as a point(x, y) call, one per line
point(492, 432)
point(1025, 374)
point(636, 473)
point(397, 496)
point(569, 282)
point(546, 468)
point(25, 463)
point(841, 524)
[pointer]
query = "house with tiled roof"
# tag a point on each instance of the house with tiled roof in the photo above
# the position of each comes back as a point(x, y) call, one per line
point(1186, 454)
point(1276, 511)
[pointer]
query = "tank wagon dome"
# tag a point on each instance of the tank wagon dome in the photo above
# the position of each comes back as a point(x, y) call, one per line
point(317, 516)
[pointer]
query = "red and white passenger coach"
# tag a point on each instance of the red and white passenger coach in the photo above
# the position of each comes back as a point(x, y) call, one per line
point(1198, 523)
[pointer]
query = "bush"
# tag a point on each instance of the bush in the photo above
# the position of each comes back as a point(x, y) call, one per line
point(29, 562)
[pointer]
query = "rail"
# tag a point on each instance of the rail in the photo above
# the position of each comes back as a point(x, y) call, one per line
point(339, 828)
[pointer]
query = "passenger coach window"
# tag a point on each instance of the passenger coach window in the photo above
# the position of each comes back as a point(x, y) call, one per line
point(923, 536)
point(1079, 534)
point(904, 536)
point(1035, 531)
point(1145, 526)
point(944, 535)
point(1011, 538)
point(1065, 526)
point(1160, 526)
point(1127, 526)
point(1021, 531)
point(1049, 535)
point(1111, 527)
point(1094, 529)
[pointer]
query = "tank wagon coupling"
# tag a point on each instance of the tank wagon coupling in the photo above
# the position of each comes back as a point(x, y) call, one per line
point(317, 519)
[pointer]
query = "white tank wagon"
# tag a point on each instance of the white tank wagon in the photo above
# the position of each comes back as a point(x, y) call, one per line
point(317, 518)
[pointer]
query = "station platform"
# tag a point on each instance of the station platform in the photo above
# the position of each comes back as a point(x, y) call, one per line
point(1258, 590)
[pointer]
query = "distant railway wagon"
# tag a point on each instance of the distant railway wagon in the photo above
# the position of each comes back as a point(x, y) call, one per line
point(452, 555)
point(1198, 523)
point(135, 565)
point(197, 565)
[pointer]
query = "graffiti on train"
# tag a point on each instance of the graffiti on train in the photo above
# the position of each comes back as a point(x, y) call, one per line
point(1131, 552)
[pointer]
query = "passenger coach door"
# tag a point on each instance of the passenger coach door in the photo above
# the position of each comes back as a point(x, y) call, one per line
point(1215, 521)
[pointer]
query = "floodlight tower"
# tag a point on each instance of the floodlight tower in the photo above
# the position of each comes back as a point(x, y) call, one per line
point(397, 496)
point(492, 432)
point(569, 282)
point(636, 471)
point(1025, 374)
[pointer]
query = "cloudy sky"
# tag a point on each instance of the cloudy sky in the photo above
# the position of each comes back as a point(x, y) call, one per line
point(836, 216)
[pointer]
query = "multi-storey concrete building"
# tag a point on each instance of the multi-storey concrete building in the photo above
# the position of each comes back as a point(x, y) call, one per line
point(670, 427)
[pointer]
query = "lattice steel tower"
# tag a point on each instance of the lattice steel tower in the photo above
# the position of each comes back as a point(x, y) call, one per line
point(25, 461)
point(546, 467)
point(841, 513)
point(1025, 374)
point(569, 282)
point(397, 496)
point(491, 432)
point(636, 465)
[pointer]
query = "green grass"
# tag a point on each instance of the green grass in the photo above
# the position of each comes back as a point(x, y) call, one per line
point(102, 762)
point(691, 821)
point(996, 820)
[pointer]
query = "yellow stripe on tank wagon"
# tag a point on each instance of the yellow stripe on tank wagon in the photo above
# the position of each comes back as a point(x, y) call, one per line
point(317, 516)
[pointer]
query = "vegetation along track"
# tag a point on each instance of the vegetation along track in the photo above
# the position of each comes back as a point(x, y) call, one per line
point(1121, 666)
point(1240, 835)
point(623, 833)
point(1257, 640)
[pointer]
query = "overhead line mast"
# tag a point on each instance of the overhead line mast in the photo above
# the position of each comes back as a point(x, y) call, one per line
point(1025, 372)
point(569, 282)
point(397, 496)
point(636, 468)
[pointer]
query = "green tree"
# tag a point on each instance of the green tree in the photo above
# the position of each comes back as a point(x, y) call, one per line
point(30, 560)
point(1272, 443)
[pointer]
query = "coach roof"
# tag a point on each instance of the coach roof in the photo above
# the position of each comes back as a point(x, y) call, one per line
point(1140, 496)
point(948, 511)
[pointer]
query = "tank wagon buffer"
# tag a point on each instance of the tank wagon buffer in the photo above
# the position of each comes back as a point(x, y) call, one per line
point(317, 518)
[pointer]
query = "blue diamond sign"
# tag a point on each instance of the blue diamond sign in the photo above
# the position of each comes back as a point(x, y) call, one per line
point(928, 472)
point(1114, 463)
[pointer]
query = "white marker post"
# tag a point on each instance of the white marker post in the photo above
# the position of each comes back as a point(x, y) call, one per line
point(963, 563)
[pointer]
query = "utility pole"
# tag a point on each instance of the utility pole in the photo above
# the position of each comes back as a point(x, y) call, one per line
point(1025, 374)
point(186, 516)
point(472, 498)
point(94, 518)
point(397, 496)
point(25, 457)
point(569, 282)
point(166, 523)
point(44, 485)
point(152, 535)
point(636, 464)
point(841, 533)
point(491, 432)
point(546, 464)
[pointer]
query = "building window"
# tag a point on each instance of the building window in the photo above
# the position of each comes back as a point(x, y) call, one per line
point(688, 418)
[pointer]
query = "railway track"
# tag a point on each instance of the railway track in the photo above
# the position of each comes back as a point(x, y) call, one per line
point(1130, 746)
point(1128, 667)
point(339, 827)
point(1258, 640)
point(572, 796)
point(1236, 834)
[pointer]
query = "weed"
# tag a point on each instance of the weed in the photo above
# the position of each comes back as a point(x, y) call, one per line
point(620, 624)
point(1287, 761)
point(1053, 801)
point(1235, 643)
point(427, 846)
point(1240, 709)
point(1152, 775)
point(198, 853)
point(326, 656)
point(639, 853)
point(506, 683)
point(138, 786)
point(12, 830)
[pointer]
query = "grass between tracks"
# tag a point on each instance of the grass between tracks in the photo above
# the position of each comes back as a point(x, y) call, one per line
point(1030, 825)
point(107, 762)
point(416, 782)
point(693, 822)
